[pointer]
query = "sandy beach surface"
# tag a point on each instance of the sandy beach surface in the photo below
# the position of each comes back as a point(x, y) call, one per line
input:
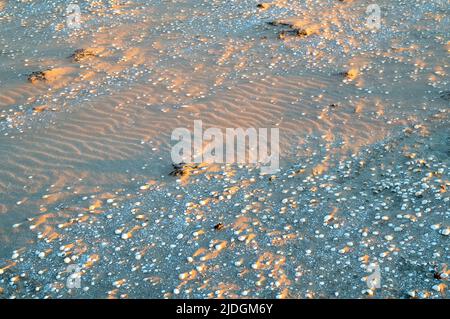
point(87, 113)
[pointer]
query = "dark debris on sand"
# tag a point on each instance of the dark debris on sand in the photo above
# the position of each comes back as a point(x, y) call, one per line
point(81, 54)
point(182, 169)
point(37, 76)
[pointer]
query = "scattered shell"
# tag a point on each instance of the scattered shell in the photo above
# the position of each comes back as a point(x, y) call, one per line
point(39, 109)
point(182, 276)
point(435, 226)
point(126, 236)
point(327, 218)
point(439, 288)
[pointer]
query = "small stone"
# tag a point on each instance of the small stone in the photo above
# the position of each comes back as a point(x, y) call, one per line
point(182, 276)
point(263, 6)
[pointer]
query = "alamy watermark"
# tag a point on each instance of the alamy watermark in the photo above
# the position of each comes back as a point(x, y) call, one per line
point(73, 16)
point(74, 279)
point(373, 21)
point(374, 279)
point(228, 146)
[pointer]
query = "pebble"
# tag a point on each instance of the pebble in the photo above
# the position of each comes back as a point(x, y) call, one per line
point(438, 288)
point(242, 238)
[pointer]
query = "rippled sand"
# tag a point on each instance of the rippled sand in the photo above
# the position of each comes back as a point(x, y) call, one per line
point(85, 149)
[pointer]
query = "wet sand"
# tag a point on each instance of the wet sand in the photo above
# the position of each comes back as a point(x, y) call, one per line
point(85, 150)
